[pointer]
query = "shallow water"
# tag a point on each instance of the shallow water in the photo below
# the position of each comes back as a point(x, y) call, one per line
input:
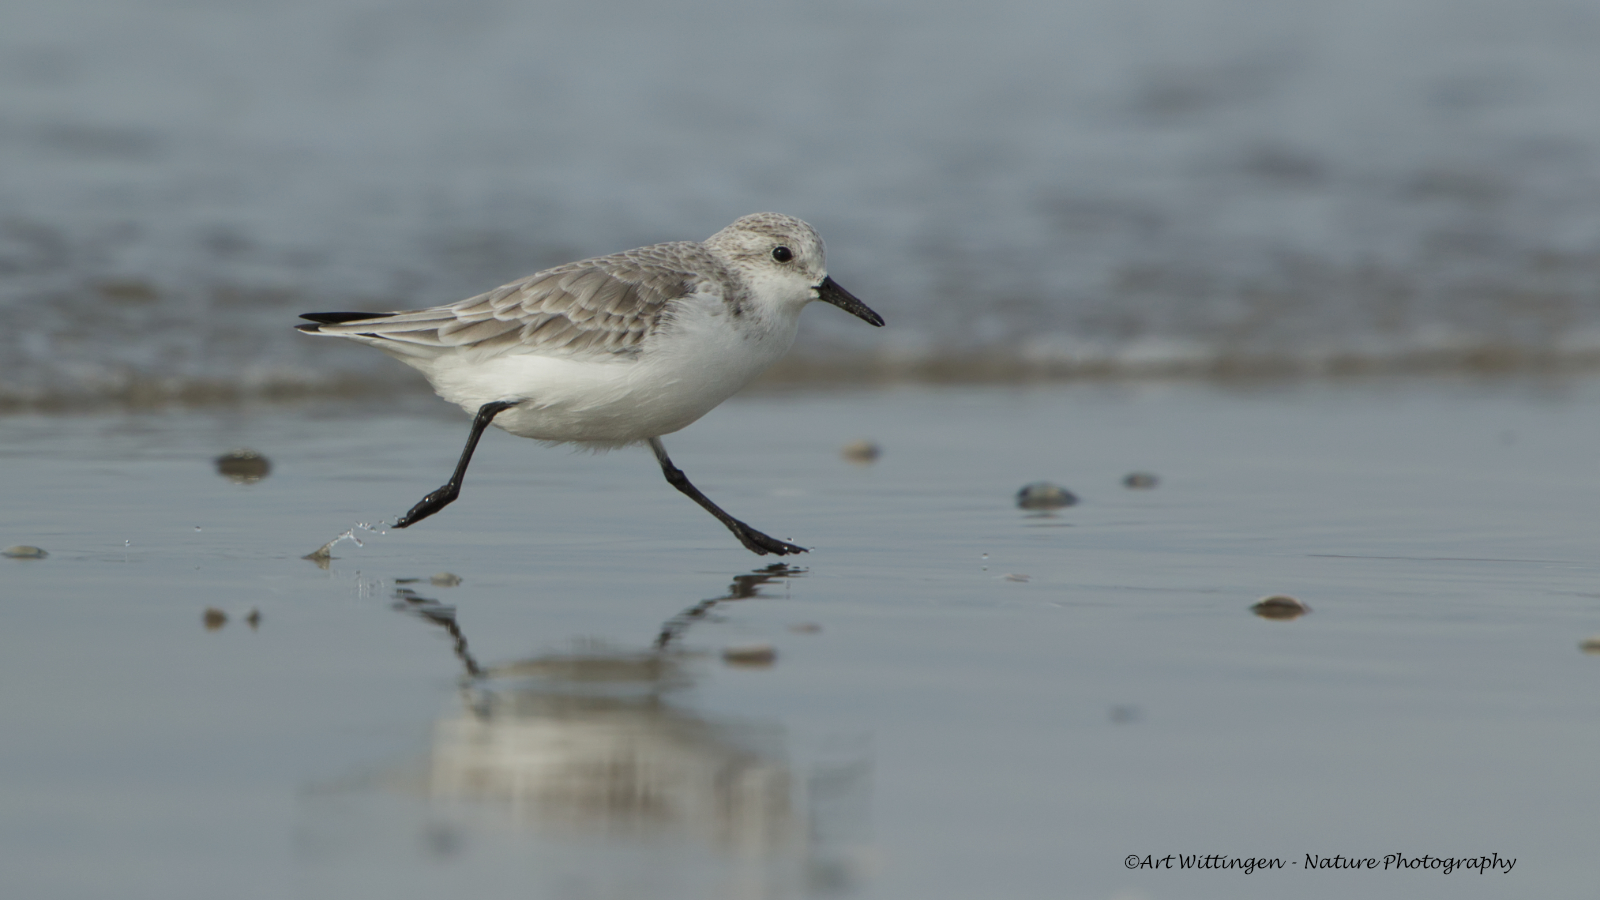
point(929, 727)
point(1033, 187)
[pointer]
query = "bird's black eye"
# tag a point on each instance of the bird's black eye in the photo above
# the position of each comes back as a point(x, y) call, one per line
point(782, 254)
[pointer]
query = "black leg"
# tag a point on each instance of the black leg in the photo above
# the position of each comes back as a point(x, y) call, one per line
point(753, 540)
point(442, 497)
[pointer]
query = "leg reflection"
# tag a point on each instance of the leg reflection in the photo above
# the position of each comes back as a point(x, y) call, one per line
point(743, 587)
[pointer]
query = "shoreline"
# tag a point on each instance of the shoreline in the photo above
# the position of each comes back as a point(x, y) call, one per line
point(826, 373)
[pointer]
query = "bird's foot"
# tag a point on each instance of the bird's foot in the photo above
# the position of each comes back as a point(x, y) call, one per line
point(762, 544)
point(429, 505)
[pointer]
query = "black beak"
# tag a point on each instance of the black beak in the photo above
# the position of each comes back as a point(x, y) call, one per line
point(830, 292)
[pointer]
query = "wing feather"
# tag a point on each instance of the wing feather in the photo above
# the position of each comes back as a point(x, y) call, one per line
point(607, 305)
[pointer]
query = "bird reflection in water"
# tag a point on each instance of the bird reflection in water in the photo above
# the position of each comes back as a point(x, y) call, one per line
point(597, 743)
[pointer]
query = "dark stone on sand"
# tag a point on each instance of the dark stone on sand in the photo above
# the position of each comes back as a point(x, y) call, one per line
point(750, 656)
point(862, 451)
point(1280, 606)
point(243, 466)
point(1044, 495)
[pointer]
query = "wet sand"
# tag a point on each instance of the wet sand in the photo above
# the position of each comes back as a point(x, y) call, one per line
point(950, 697)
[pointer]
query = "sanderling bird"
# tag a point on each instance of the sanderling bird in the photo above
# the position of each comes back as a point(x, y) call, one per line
point(615, 350)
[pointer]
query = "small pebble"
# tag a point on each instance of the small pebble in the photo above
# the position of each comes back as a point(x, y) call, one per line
point(1044, 495)
point(214, 618)
point(752, 656)
point(243, 466)
point(23, 551)
point(1590, 644)
point(444, 579)
point(253, 618)
point(861, 451)
point(1140, 481)
point(1280, 606)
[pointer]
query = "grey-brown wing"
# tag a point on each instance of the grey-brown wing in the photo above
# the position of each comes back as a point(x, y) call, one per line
point(606, 305)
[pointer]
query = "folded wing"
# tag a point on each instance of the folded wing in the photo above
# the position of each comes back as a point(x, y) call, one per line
point(602, 306)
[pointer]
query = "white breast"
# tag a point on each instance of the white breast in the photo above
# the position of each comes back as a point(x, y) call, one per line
point(700, 358)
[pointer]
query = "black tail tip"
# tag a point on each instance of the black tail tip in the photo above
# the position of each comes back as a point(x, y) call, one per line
point(334, 318)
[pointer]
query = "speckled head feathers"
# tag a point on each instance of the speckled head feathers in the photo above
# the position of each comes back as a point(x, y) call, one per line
point(752, 239)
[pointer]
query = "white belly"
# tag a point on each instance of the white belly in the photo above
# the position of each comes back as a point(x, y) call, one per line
point(677, 378)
